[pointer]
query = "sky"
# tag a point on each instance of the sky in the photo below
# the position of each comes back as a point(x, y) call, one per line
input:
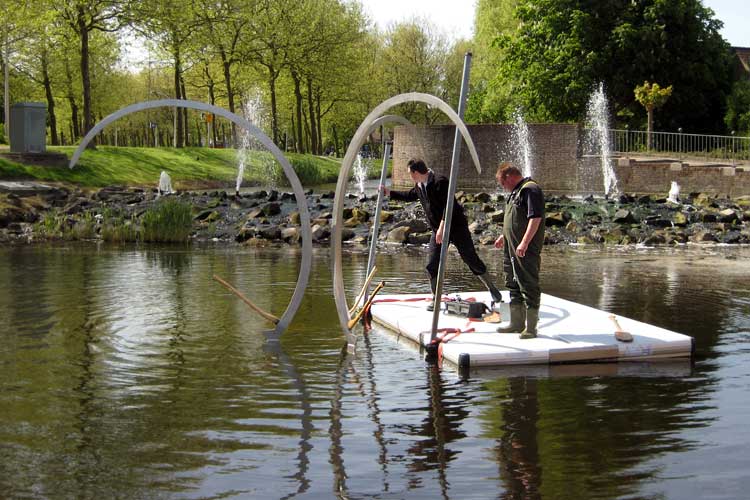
point(456, 17)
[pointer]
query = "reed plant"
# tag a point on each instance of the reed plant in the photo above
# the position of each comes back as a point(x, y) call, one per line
point(170, 221)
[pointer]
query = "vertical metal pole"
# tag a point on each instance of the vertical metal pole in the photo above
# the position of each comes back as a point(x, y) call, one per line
point(376, 223)
point(451, 194)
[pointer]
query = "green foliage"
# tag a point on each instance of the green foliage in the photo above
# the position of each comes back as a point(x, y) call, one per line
point(3, 140)
point(170, 221)
point(652, 96)
point(564, 48)
point(52, 225)
point(490, 98)
point(413, 60)
point(738, 108)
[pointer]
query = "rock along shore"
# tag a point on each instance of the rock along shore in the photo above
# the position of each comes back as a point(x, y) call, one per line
point(267, 217)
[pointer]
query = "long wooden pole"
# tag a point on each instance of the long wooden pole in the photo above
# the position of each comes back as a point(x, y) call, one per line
point(367, 304)
point(267, 315)
point(363, 290)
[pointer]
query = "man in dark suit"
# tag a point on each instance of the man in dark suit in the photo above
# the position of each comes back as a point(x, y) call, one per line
point(432, 192)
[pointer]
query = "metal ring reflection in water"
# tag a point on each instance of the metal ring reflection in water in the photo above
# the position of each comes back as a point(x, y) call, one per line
point(351, 153)
point(306, 265)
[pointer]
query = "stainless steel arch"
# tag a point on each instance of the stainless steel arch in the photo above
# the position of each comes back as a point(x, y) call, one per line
point(351, 153)
point(306, 265)
point(388, 119)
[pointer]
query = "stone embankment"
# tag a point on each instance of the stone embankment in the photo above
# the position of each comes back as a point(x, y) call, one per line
point(268, 217)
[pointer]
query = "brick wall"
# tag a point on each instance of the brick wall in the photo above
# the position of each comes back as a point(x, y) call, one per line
point(559, 165)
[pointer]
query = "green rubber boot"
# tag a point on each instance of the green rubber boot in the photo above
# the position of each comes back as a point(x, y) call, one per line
point(532, 318)
point(517, 319)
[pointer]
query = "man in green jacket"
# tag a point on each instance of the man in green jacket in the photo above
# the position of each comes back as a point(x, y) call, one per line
point(521, 241)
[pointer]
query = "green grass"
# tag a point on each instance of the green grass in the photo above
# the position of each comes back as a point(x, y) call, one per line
point(188, 167)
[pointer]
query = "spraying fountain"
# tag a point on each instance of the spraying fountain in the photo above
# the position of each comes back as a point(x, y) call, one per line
point(520, 147)
point(597, 143)
point(361, 168)
point(242, 157)
point(254, 113)
point(165, 184)
point(674, 193)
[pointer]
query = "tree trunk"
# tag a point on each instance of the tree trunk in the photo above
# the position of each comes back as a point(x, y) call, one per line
point(298, 111)
point(6, 85)
point(75, 131)
point(50, 101)
point(311, 110)
point(274, 112)
point(335, 139)
point(227, 66)
point(184, 112)
point(320, 128)
point(83, 33)
point(179, 138)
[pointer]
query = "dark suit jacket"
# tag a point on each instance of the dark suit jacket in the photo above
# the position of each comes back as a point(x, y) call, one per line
point(433, 199)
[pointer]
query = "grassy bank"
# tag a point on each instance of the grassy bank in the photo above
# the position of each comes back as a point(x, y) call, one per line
point(188, 168)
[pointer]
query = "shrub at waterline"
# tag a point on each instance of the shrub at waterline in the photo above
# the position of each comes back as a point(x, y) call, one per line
point(170, 221)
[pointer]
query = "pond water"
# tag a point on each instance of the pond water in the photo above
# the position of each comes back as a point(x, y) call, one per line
point(130, 373)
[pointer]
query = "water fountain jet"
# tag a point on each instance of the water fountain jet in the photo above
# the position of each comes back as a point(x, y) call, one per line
point(597, 143)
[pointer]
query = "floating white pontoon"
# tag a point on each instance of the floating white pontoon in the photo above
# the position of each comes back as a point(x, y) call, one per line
point(567, 333)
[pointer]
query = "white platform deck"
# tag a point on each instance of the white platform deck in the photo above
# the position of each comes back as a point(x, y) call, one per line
point(567, 333)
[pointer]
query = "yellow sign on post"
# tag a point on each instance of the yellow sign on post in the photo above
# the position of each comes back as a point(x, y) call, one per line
point(209, 117)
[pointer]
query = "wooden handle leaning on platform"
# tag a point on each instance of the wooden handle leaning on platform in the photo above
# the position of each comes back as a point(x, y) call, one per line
point(367, 304)
point(362, 291)
point(620, 334)
point(266, 315)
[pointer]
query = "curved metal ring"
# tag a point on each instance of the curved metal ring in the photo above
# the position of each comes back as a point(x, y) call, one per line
point(291, 175)
point(351, 153)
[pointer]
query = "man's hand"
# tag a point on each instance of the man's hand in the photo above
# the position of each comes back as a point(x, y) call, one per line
point(500, 242)
point(384, 189)
point(521, 249)
point(439, 235)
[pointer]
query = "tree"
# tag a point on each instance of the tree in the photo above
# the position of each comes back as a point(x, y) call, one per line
point(564, 48)
point(651, 96)
point(738, 108)
point(84, 17)
point(490, 96)
point(16, 24)
point(171, 24)
point(224, 24)
point(414, 59)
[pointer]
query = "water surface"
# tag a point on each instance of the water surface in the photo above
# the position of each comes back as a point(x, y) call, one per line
point(129, 373)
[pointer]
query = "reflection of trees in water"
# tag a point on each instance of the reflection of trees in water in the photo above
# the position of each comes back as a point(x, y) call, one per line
point(517, 449)
point(681, 293)
point(588, 437)
point(441, 426)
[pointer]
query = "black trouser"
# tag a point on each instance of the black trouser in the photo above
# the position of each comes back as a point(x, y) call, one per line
point(522, 277)
point(461, 239)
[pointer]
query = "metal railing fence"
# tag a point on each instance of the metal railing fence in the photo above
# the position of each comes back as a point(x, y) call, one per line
point(728, 148)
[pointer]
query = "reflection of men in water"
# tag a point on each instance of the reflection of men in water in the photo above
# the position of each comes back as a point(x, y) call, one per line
point(432, 192)
point(521, 241)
